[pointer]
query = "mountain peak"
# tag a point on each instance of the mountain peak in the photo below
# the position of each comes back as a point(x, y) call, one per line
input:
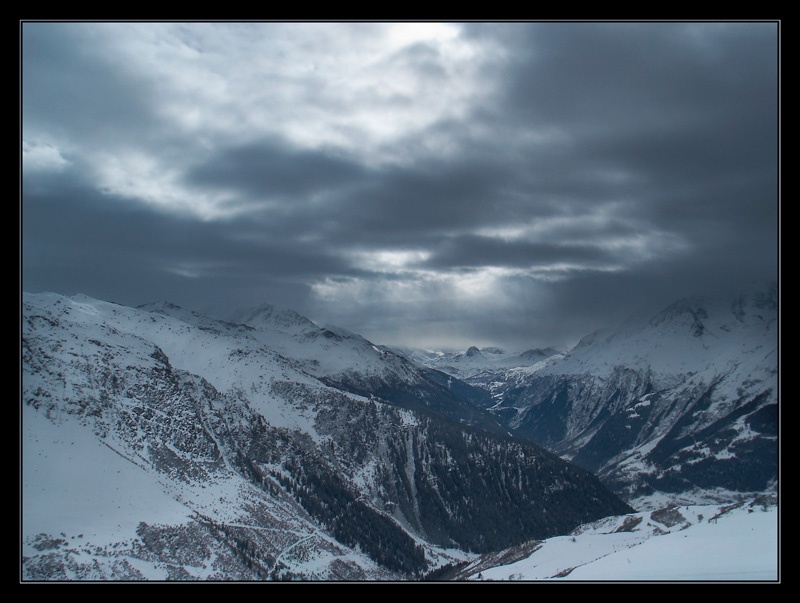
point(161, 307)
point(267, 315)
point(539, 353)
point(473, 352)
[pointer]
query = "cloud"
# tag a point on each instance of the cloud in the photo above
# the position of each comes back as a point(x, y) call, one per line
point(510, 183)
point(271, 169)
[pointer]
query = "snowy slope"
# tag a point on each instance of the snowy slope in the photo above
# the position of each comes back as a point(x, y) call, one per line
point(348, 361)
point(227, 356)
point(683, 400)
point(685, 543)
point(158, 443)
point(88, 511)
point(322, 352)
point(122, 451)
point(66, 463)
point(710, 336)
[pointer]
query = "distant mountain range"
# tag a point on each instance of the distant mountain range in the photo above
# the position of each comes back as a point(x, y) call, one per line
point(474, 361)
point(684, 401)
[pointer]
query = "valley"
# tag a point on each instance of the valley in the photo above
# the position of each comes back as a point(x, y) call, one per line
point(161, 444)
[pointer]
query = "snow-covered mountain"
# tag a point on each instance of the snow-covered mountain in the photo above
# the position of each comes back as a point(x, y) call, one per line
point(685, 400)
point(473, 361)
point(350, 362)
point(732, 542)
point(159, 443)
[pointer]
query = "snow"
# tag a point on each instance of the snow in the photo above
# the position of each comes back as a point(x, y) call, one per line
point(85, 493)
point(97, 492)
point(742, 547)
point(739, 545)
point(685, 371)
point(474, 362)
point(74, 483)
point(704, 336)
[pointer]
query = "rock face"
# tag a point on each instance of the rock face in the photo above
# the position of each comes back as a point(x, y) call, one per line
point(158, 443)
point(684, 401)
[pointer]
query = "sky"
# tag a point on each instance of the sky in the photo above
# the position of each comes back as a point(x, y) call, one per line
point(434, 185)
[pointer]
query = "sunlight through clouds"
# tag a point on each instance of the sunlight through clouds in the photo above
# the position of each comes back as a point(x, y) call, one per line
point(353, 88)
point(389, 260)
point(457, 173)
point(142, 176)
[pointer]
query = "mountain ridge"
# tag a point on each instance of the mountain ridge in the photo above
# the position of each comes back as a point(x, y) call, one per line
point(686, 398)
point(281, 475)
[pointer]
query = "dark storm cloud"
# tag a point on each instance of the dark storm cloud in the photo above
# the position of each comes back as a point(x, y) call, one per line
point(680, 107)
point(402, 206)
point(271, 168)
point(435, 198)
point(685, 113)
point(590, 169)
point(78, 240)
point(72, 84)
point(603, 77)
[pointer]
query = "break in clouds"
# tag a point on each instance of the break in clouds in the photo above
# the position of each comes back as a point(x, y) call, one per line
point(432, 184)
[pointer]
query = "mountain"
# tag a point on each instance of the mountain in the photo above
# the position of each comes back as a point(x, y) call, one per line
point(685, 401)
point(474, 361)
point(669, 543)
point(158, 443)
point(349, 362)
